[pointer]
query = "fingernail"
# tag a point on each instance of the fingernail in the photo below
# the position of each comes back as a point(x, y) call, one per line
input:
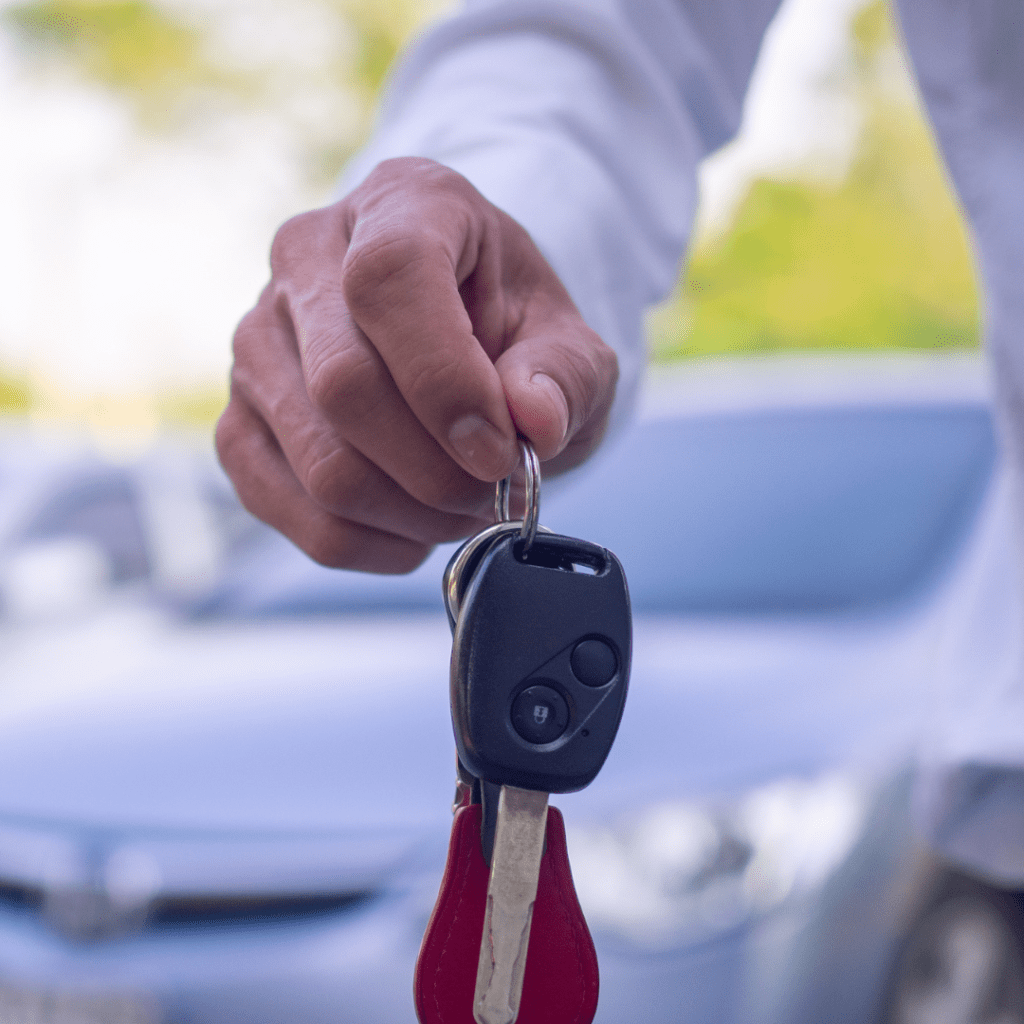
point(557, 399)
point(483, 448)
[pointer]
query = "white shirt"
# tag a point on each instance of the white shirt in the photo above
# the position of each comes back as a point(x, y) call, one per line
point(585, 120)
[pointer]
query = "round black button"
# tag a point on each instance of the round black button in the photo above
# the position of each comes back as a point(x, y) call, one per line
point(540, 714)
point(593, 662)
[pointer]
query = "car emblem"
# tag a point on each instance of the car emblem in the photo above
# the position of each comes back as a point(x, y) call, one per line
point(110, 899)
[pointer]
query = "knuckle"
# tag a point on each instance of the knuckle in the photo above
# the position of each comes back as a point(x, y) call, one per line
point(441, 183)
point(432, 379)
point(248, 332)
point(291, 238)
point(418, 178)
point(397, 168)
point(340, 382)
point(254, 334)
point(376, 266)
point(336, 480)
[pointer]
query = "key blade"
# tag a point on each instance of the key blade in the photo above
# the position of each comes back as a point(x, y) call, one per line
point(511, 892)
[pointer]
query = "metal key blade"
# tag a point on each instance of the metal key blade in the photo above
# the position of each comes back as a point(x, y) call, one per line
point(511, 892)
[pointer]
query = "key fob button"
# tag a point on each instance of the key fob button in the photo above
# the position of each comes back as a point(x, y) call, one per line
point(540, 714)
point(593, 662)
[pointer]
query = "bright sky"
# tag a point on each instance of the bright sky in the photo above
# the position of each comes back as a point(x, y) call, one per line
point(127, 259)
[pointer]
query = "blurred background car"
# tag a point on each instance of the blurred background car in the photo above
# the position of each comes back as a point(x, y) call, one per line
point(225, 789)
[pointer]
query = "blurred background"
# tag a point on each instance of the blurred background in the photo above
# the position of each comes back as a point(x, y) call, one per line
point(199, 820)
point(150, 150)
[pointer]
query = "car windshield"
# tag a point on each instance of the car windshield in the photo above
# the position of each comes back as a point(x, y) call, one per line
point(780, 511)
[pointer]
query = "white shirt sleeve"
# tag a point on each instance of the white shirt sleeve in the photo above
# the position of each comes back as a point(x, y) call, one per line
point(969, 59)
point(584, 121)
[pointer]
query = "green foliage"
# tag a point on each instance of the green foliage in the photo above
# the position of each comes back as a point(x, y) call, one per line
point(877, 261)
point(379, 31)
point(161, 63)
point(130, 46)
point(871, 29)
point(15, 396)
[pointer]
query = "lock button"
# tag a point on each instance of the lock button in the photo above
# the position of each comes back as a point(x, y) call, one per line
point(540, 714)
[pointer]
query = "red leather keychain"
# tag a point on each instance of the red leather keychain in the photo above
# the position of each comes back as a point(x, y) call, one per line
point(561, 979)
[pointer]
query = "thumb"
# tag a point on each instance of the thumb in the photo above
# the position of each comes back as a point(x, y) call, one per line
point(559, 385)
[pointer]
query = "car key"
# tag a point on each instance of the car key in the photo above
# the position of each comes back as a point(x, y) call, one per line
point(538, 682)
point(511, 893)
point(540, 662)
point(540, 665)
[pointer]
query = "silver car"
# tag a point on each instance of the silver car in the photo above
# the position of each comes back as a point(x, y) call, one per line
point(226, 773)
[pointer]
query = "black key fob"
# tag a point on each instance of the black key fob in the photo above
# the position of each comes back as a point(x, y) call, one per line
point(540, 662)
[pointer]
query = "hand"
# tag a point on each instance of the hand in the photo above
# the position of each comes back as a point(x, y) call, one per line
point(407, 333)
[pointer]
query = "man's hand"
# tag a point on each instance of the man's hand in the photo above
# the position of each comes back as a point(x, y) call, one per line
point(407, 333)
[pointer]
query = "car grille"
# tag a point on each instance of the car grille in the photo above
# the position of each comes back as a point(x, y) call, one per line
point(87, 914)
point(205, 911)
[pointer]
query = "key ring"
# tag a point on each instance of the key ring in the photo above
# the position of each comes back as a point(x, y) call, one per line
point(502, 493)
point(527, 528)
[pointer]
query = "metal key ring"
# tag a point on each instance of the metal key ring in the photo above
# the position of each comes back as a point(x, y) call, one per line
point(527, 527)
point(503, 490)
point(457, 568)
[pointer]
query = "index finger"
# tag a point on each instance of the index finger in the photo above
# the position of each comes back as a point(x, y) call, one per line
point(401, 285)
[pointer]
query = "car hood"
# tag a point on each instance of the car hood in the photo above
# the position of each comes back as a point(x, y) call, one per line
point(342, 725)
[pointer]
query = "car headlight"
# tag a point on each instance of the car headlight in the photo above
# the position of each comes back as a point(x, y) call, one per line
point(682, 871)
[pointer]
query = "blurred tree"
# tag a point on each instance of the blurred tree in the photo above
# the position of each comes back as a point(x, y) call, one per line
point(160, 59)
point(138, 50)
point(378, 30)
point(15, 396)
point(877, 261)
point(381, 29)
